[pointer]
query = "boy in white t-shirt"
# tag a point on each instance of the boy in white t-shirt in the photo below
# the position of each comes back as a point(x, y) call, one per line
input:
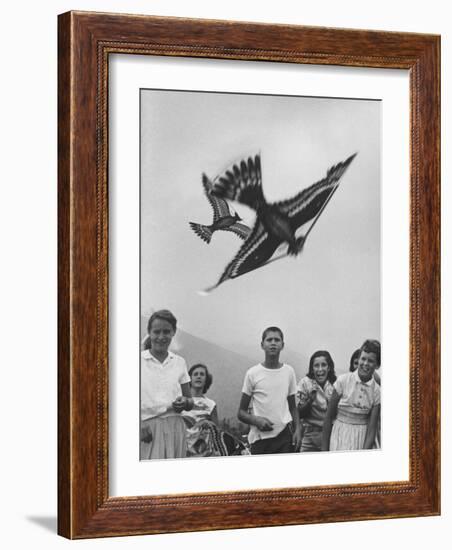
point(269, 390)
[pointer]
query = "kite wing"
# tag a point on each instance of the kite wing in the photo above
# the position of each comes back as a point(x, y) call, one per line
point(219, 206)
point(241, 183)
point(254, 252)
point(308, 203)
point(240, 229)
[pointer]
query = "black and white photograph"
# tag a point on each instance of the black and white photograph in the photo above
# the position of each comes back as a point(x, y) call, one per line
point(259, 274)
point(208, 209)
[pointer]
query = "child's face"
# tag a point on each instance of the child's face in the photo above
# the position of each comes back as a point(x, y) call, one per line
point(198, 378)
point(272, 344)
point(320, 369)
point(161, 334)
point(367, 365)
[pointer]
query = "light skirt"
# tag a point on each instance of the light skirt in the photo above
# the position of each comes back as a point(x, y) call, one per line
point(377, 444)
point(168, 439)
point(347, 437)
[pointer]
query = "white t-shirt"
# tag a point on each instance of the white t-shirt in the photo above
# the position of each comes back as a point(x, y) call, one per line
point(269, 390)
point(161, 384)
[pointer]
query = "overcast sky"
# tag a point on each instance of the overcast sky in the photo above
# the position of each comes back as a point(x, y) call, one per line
point(326, 298)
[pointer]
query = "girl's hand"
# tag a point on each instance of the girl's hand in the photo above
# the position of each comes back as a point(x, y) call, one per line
point(263, 424)
point(145, 432)
point(180, 404)
point(312, 395)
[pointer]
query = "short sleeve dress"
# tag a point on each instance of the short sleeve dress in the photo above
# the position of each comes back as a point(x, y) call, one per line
point(357, 399)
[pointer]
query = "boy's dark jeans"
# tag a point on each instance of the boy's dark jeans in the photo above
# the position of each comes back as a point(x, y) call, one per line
point(282, 443)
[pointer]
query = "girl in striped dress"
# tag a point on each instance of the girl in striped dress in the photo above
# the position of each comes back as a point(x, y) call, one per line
point(354, 408)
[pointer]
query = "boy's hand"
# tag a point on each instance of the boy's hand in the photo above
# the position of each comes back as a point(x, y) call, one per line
point(145, 432)
point(296, 439)
point(180, 404)
point(263, 424)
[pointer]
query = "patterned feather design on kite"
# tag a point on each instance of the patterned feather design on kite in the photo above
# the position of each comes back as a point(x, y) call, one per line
point(242, 183)
point(202, 231)
point(275, 223)
point(223, 219)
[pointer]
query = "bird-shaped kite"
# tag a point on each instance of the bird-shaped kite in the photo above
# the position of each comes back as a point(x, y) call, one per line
point(276, 223)
point(223, 219)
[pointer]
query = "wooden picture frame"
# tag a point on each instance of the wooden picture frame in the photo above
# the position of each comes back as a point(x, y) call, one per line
point(85, 42)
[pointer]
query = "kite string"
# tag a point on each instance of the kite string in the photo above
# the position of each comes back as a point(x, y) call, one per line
point(321, 210)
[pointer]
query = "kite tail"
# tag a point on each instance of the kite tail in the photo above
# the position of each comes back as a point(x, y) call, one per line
point(202, 231)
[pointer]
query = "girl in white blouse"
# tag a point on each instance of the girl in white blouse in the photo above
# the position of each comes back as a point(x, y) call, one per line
point(165, 392)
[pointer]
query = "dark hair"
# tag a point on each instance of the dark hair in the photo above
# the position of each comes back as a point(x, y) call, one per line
point(372, 346)
point(146, 342)
point(163, 315)
point(355, 355)
point(272, 329)
point(209, 377)
point(322, 353)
